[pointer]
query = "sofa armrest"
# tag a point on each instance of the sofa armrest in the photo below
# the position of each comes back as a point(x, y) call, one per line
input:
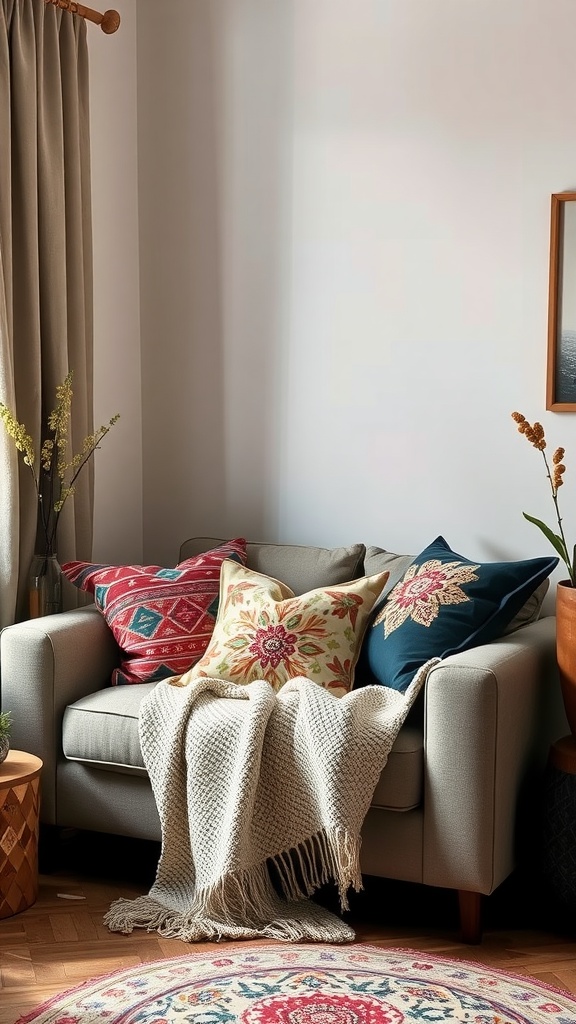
point(45, 664)
point(490, 716)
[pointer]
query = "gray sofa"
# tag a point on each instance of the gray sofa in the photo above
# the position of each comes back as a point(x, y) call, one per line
point(448, 806)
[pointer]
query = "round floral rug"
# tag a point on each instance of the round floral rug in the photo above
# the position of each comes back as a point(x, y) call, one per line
point(308, 984)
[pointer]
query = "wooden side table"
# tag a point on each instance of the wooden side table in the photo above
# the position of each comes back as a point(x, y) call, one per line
point(19, 806)
point(559, 822)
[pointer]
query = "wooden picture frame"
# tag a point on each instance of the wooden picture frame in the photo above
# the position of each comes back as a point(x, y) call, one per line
point(561, 365)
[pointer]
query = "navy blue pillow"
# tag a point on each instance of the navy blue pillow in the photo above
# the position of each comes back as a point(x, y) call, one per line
point(444, 603)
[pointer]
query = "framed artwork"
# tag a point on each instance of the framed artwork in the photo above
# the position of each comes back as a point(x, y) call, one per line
point(561, 366)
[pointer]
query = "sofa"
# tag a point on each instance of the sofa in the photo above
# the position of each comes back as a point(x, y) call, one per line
point(451, 802)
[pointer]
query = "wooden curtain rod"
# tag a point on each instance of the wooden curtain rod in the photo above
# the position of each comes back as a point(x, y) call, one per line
point(109, 21)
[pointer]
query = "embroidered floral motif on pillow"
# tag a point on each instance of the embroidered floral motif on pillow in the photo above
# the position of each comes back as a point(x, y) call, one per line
point(423, 591)
point(263, 631)
point(444, 603)
point(162, 619)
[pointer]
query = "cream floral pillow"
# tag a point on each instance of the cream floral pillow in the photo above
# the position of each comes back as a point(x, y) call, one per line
point(263, 631)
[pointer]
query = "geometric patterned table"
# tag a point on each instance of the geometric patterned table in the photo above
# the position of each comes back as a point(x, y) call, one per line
point(19, 804)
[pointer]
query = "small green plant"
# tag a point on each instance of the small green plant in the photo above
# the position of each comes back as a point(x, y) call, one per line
point(5, 723)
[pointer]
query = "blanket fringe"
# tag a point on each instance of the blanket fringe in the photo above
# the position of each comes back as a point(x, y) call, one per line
point(143, 912)
point(238, 907)
point(244, 903)
point(327, 856)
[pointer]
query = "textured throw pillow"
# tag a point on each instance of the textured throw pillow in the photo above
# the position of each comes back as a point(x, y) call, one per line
point(162, 619)
point(380, 560)
point(263, 631)
point(529, 612)
point(444, 603)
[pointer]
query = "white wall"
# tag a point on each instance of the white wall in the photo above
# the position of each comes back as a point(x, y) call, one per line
point(344, 229)
point(214, 84)
point(118, 465)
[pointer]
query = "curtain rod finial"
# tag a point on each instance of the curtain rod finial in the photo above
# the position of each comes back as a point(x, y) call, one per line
point(110, 22)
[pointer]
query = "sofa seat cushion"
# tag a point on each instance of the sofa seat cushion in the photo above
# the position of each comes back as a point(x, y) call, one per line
point(400, 785)
point(101, 730)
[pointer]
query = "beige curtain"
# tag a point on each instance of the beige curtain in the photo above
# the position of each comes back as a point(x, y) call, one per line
point(45, 267)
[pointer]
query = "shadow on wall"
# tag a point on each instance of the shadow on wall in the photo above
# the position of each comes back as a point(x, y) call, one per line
point(214, 92)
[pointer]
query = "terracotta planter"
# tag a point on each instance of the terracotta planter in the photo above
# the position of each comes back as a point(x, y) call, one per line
point(566, 647)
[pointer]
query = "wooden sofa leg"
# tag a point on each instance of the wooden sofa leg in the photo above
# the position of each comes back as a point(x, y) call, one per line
point(470, 904)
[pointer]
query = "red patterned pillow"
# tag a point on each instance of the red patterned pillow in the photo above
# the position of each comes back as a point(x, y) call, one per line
point(162, 619)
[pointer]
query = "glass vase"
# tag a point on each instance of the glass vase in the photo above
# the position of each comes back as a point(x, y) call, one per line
point(44, 586)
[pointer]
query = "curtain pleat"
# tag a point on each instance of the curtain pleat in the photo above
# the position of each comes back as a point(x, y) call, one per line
point(9, 498)
point(46, 247)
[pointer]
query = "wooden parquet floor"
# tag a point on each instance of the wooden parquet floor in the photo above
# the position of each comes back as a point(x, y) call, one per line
point(60, 942)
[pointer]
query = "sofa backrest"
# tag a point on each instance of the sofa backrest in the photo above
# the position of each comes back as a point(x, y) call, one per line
point(301, 567)
point(304, 567)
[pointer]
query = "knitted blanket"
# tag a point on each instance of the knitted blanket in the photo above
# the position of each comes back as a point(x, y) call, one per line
point(261, 797)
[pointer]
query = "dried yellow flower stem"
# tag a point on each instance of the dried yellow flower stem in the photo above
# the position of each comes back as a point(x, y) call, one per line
point(52, 489)
point(535, 435)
